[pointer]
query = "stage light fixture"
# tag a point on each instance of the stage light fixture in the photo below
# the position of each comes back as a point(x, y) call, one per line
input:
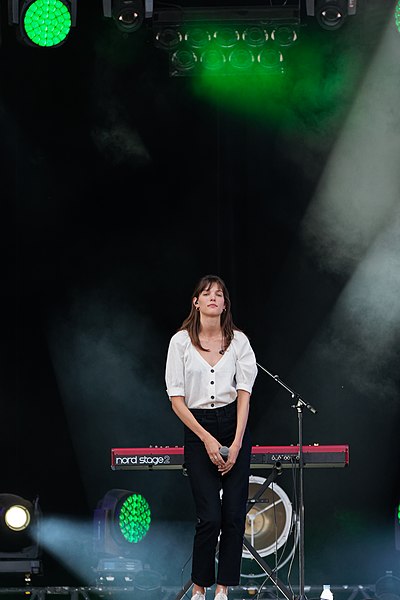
point(19, 531)
point(122, 518)
point(387, 587)
point(43, 23)
point(331, 14)
point(17, 517)
point(397, 16)
point(226, 40)
point(227, 51)
point(397, 526)
point(129, 15)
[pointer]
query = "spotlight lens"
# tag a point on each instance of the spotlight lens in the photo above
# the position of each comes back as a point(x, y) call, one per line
point(197, 37)
point(168, 39)
point(241, 59)
point(226, 37)
point(255, 36)
point(184, 60)
point(47, 22)
point(128, 17)
point(270, 59)
point(17, 517)
point(284, 36)
point(134, 518)
point(330, 17)
point(212, 59)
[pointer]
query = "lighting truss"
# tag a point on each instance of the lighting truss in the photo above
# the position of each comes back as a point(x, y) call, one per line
point(226, 40)
point(43, 23)
point(331, 14)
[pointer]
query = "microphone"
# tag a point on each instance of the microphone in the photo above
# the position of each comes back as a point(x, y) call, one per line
point(224, 452)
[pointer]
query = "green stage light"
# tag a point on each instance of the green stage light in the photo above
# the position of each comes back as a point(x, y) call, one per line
point(46, 23)
point(218, 49)
point(397, 526)
point(397, 16)
point(134, 518)
point(122, 518)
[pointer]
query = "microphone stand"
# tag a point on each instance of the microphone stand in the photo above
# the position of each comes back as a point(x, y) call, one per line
point(299, 404)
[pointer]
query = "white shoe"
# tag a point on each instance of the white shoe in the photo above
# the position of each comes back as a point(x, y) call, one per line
point(221, 596)
point(199, 596)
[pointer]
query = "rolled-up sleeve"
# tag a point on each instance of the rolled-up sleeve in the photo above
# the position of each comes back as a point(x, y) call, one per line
point(246, 368)
point(174, 369)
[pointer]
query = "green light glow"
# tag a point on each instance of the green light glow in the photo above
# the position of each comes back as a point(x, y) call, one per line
point(241, 59)
point(398, 513)
point(47, 22)
point(293, 86)
point(213, 59)
point(134, 518)
point(397, 16)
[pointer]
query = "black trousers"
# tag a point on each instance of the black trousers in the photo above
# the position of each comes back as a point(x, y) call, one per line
point(218, 518)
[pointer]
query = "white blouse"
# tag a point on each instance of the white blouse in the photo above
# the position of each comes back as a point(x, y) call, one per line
point(188, 374)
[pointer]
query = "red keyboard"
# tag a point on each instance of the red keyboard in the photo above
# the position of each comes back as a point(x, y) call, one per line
point(262, 457)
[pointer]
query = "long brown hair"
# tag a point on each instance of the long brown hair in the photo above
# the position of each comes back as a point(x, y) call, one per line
point(192, 321)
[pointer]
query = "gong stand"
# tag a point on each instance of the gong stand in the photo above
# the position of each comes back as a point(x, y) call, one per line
point(276, 471)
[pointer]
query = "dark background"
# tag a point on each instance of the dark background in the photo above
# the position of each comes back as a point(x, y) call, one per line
point(121, 186)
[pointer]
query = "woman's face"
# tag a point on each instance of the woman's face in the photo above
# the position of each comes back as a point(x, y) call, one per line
point(211, 301)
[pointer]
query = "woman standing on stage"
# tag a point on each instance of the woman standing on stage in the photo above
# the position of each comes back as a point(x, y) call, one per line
point(210, 372)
